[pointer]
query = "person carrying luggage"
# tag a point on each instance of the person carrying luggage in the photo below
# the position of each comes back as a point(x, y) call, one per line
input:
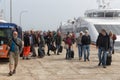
point(112, 41)
point(26, 49)
point(68, 43)
point(33, 43)
point(41, 44)
point(50, 43)
point(58, 42)
point(105, 45)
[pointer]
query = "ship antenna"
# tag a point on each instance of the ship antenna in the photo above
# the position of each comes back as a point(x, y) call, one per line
point(103, 4)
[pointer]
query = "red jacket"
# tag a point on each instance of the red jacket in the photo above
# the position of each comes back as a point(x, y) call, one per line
point(68, 41)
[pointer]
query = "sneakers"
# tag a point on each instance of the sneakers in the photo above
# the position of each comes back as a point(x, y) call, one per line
point(14, 71)
point(99, 64)
point(80, 58)
point(10, 73)
point(104, 66)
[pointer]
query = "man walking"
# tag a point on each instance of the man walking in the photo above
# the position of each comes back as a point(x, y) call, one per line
point(33, 43)
point(105, 45)
point(15, 45)
point(58, 41)
point(86, 41)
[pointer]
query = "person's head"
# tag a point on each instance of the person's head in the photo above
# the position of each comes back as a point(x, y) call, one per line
point(32, 32)
point(15, 34)
point(81, 33)
point(110, 34)
point(103, 31)
point(51, 33)
point(70, 35)
point(86, 32)
point(58, 33)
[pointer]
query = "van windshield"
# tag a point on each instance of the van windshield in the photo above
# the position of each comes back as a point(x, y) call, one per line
point(5, 32)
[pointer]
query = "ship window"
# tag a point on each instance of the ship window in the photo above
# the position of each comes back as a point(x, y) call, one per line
point(117, 14)
point(89, 15)
point(114, 28)
point(109, 14)
point(100, 14)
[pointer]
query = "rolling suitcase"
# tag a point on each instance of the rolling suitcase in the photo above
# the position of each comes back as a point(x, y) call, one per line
point(72, 54)
point(109, 59)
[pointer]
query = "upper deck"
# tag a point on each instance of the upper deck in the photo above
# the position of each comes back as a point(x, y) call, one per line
point(103, 13)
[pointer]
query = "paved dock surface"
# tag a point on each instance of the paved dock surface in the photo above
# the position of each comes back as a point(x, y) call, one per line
point(55, 67)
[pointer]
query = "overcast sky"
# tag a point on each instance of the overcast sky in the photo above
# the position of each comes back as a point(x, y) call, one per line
point(47, 14)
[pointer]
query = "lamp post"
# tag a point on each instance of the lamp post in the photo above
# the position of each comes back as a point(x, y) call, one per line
point(22, 12)
point(10, 11)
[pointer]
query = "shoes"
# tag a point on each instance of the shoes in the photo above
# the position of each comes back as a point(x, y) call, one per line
point(104, 66)
point(48, 54)
point(80, 58)
point(14, 71)
point(10, 73)
point(88, 59)
point(58, 54)
point(27, 58)
point(54, 52)
point(23, 58)
point(99, 64)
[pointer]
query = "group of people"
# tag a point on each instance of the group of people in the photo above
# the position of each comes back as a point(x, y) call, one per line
point(105, 44)
point(53, 40)
point(83, 43)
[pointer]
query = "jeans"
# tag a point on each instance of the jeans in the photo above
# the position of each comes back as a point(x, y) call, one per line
point(68, 53)
point(102, 55)
point(80, 50)
point(41, 50)
point(57, 47)
point(86, 48)
point(111, 50)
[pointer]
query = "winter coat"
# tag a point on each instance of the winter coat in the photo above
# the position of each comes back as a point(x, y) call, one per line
point(58, 40)
point(26, 40)
point(86, 40)
point(105, 42)
point(68, 41)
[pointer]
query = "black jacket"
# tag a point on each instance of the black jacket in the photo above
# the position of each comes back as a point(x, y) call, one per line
point(50, 40)
point(26, 40)
point(105, 42)
point(58, 40)
point(86, 40)
point(99, 40)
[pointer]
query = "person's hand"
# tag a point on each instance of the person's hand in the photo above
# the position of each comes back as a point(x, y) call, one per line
point(8, 48)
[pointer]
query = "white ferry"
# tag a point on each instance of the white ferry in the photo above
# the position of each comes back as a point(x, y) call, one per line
point(95, 20)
